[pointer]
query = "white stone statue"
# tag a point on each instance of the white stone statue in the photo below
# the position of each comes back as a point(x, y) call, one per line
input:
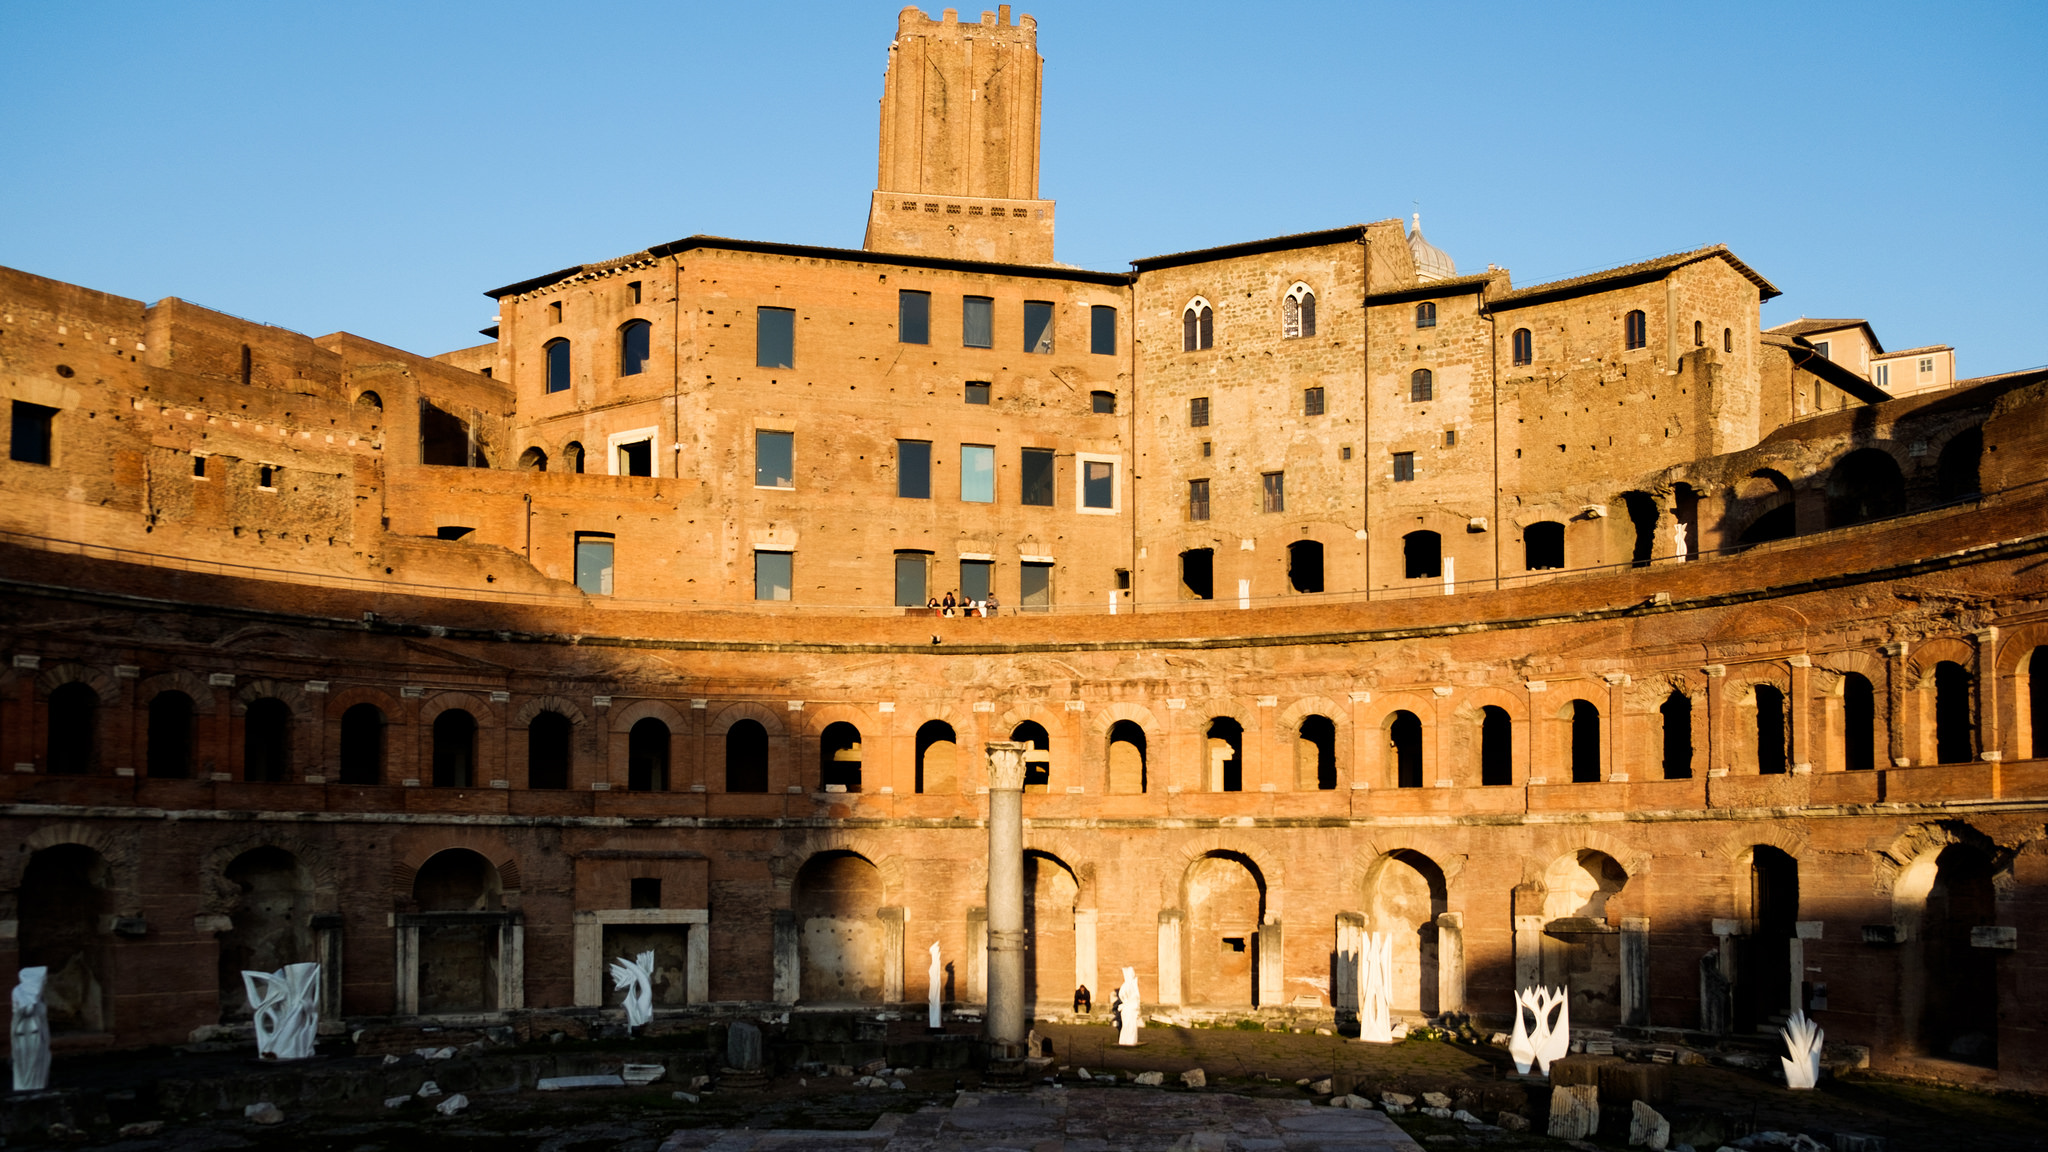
point(1127, 1014)
point(1802, 1038)
point(1376, 988)
point(1545, 1040)
point(31, 1032)
point(932, 989)
point(636, 976)
point(287, 1005)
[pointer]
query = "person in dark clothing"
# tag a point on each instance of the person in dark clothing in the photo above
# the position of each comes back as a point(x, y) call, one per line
point(1083, 1003)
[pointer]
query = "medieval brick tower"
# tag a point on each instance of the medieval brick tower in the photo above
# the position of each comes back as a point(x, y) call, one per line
point(959, 153)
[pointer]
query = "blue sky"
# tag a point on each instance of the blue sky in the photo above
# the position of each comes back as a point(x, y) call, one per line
point(374, 167)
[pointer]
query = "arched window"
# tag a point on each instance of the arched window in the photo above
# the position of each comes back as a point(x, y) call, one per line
point(558, 365)
point(1422, 553)
point(533, 460)
point(1859, 723)
point(634, 339)
point(1496, 746)
point(1635, 329)
point(1955, 740)
point(572, 455)
point(1305, 565)
point(1770, 731)
point(1727, 339)
point(1404, 746)
point(369, 399)
point(1038, 758)
point(1127, 758)
point(170, 736)
point(1585, 743)
point(267, 741)
point(2037, 700)
point(73, 730)
point(1642, 516)
point(1298, 312)
point(1425, 315)
point(1543, 546)
point(1421, 385)
point(1315, 753)
point(362, 745)
point(839, 756)
point(1676, 712)
point(937, 749)
point(1197, 326)
point(647, 756)
point(746, 757)
point(1699, 334)
point(1225, 745)
point(1865, 485)
point(1958, 468)
point(547, 751)
point(1524, 346)
point(454, 749)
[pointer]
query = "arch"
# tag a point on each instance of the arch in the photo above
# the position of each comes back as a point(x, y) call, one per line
point(746, 756)
point(1864, 485)
point(648, 752)
point(1949, 989)
point(1859, 723)
point(1223, 760)
point(1305, 565)
point(556, 355)
point(1585, 747)
point(1767, 982)
point(550, 750)
point(835, 896)
point(1773, 730)
point(1675, 717)
point(565, 707)
point(1580, 949)
point(1422, 555)
point(1298, 312)
point(1523, 345)
point(1421, 385)
point(938, 754)
point(119, 851)
point(1955, 730)
point(1038, 757)
point(1197, 326)
point(1542, 545)
point(1699, 333)
point(1958, 469)
point(1403, 732)
point(1642, 517)
point(168, 754)
point(458, 958)
point(1126, 755)
point(1315, 753)
point(457, 880)
point(267, 738)
point(1496, 746)
point(1052, 893)
point(1425, 314)
point(72, 735)
point(195, 688)
point(406, 868)
point(1635, 329)
point(63, 897)
point(362, 744)
point(270, 921)
point(291, 695)
point(454, 749)
point(1223, 897)
point(636, 340)
point(839, 756)
point(369, 399)
point(572, 455)
point(534, 459)
point(55, 677)
point(1403, 894)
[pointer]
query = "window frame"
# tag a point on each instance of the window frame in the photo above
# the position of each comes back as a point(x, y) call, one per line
point(1425, 314)
point(790, 437)
point(607, 577)
point(788, 561)
point(1273, 491)
point(1027, 478)
point(762, 333)
point(1522, 347)
point(1082, 482)
point(1198, 325)
point(1404, 462)
point(913, 310)
point(550, 382)
point(1198, 411)
point(1313, 402)
point(646, 330)
point(1298, 312)
point(1044, 314)
point(616, 442)
point(1026, 569)
point(1421, 386)
point(1097, 330)
point(1095, 403)
point(1635, 330)
point(923, 562)
point(1198, 499)
point(967, 307)
point(904, 470)
point(978, 452)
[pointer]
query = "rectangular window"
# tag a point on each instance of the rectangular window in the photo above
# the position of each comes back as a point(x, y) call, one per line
point(1404, 466)
point(1884, 376)
point(976, 577)
point(774, 459)
point(1198, 499)
point(914, 469)
point(1103, 403)
point(914, 317)
point(1198, 412)
point(1450, 437)
point(1312, 402)
point(30, 442)
point(1034, 582)
point(771, 575)
point(1038, 327)
point(633, 290)
point(978, 322)
point(911, 568)
point(1926, 365)
point(1102, 330)
point(636, 459)
point(199, 467)
point(978, 473)
point(594, 563)
point(1344, 452)
point(1098, 484)
point(1037, 477)
point(1272, 491)
point(555, 312)
point(1208, 449)
point(977, 391)
point(775, 338)
point(1822, 346)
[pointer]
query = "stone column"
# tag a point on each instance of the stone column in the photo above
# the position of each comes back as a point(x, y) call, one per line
point(1450, 962)
point(1084, 952)
point(1344, 969)
point(1895, 706)
point(788, 971)
point(1635, 970)
point(1169, 956)
point(1006, 1022)
point(892, 954)
point(977, 957)
point(1799, 711)
point(1272, 965)
point(1990, 740)
point(697, 963)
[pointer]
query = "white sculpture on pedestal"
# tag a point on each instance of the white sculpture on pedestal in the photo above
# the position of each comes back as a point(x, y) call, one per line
point(1126, 1008)
point(932, 989)
point(636, 976)
point(31, 1032)
point(1545, 1040)
point(1376, 988)
point(1802, 1038)
point(287, 1005)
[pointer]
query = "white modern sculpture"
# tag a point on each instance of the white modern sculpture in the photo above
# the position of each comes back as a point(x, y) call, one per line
point(931, 996)
point(1545, 1040)
point(1127, 1016)
point(1376, 988)
point(31, 1032)
point(287, 1006)
point(636, 976)
point(1802, 1037)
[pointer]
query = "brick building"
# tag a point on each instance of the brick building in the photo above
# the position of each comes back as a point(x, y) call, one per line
point(1576, 632)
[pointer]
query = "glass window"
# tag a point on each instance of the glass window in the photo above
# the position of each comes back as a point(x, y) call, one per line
point(910, 579)
point(978, 322)
point(1035, 587)
point(1425, 315)
point(1198, 499)
point(30, 438)
point(636, 459)
point(775, 338)
point(1037, 327)
point(977, 391)
point(1404, 466)
point(558, 365)
point(634, 340)
point(1098, 484)
point(914, 469)
point(1312, 402)
point(1102, 330)
point(771, 575)
point(1636, 331)
point(1298, 313)
point(1273, 491)
point(1820, 346)
point(1421, 385)
point(1104, 403)
point(774, 459)
point(1037, 477)
point(914, 317)
point(1525, 346)
point(1198, 412)
point(1884, 376)
point(594, 563)
point(978, 473)
point(976, 577)
point(1197, 326)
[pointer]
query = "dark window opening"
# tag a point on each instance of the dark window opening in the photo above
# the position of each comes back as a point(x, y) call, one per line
point(977, 392)
point(533, 460)
point(1037, 755)
point(1585, 743)
point(547, 751)
point(1404, 467)
point(1298, 314)
point(1421, 385)
point(1273, 492)
point(1425, 315)
point(1496, 747)
point(1636, 329)
point(1319, 735)
point(976, 578)
point(774, 459)
point(1543, 546)
point(248, 365)
point(1404, 743)
point(29, 442)
point(1036, 480)
point(774, 575)
point(594, 563)
point(557, 354)
point(839, 757)
point(170, 736)
point(647, 756)
point(1098, 484)
point(1770, 731)
point(1198, 499)
point(1034, 586)
point(977, 322)
point(1198, 412)
point(2037, 700)
point(1864, 485)
point(1676, 712)
point(1197, 328)
point(1225, 755)
point(635, 341)
point(937, 749)
point(1777, 524)
point(1957, 471)
point(1727, 339)
point(1524, 343)
point(775, 338)
point(913, 317)
point(746, 757)
point(455, 749)
point(1197, 573)
point(1699, 334)
point(73, 734)
point(572, 455)
point(1127, 758)
point(1955, 739)
point(266, 475)
point(444, 438)
point(1422, 555)
point(1102, 403)
point(914, 469)
point(1642, 514)
point(1859, 724)
point(452, 531)
point(633, 291)
point(1312, 401)
point(1102, 330)
point(1038, 327)
point(912, 579)
point(1305, 565)
point(362, 745)
point(643, 892)
point(267, 741)
point(199, 467)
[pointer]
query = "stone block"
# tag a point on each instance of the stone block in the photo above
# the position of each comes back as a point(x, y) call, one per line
point(1574, 1111)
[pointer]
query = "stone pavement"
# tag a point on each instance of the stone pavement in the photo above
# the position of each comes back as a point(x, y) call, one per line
point(1059, 1120)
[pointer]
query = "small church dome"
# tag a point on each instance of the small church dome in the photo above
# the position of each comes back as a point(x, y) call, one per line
point(1431, 262)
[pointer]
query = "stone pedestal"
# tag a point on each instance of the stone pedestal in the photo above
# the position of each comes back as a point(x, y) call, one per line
point(1006, 1017)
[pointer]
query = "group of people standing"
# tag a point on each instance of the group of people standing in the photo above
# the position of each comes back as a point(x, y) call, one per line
point(960, 606)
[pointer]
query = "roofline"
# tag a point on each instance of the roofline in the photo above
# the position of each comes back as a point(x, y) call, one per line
point(1805, 355)
point(1455, 286)
point(1920, 351)
point(1348, 234)
point(1628, 275)
point(815, 252)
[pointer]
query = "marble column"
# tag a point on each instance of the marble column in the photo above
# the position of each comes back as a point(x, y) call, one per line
point(1635, 970)
point(1006, 1016)
point(1450, 962)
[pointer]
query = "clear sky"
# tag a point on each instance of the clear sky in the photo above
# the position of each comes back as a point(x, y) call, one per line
point(375, 166)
